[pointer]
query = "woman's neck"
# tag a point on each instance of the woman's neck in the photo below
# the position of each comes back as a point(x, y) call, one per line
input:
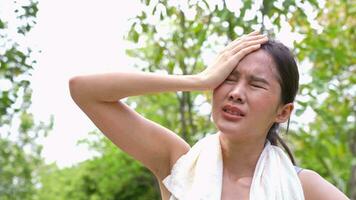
point(240, 157)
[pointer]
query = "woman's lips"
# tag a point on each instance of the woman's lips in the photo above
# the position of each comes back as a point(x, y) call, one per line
point(232, 113)
point(233, 110)
point(231, 117)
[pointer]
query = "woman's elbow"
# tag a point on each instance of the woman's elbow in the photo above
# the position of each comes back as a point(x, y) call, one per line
point(76, 88)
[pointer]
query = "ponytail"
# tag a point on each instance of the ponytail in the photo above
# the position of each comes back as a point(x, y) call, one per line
point(274, 138)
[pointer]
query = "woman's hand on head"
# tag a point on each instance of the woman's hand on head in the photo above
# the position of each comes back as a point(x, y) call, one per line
point(229, 58)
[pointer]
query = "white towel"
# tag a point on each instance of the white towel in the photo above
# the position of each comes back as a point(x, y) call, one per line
point(197, 175)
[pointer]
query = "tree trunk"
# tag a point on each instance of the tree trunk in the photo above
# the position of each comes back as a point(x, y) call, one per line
point(184, 131)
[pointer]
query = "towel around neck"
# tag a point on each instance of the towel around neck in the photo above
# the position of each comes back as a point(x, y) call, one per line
point(197, 175)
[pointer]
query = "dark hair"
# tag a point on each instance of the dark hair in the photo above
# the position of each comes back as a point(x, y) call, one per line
point(289, 81)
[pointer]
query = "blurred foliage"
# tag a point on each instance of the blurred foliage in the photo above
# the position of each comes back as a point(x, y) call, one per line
point(19, 152)
point(328, 144)
point(174, 37)
point(112, 175)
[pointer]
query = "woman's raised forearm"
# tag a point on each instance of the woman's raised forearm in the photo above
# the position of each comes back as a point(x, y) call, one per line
point(114, 86)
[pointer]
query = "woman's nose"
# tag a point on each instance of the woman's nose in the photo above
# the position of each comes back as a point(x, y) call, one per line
point(237, 94)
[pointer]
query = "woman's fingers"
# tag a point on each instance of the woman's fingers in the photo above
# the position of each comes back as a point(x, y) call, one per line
point(242, 53)
point(248, 43)
point(255, 32)
point(227, 60)
point(251, 36)
point(233, 44)
point(240, 38)
point(254, 37)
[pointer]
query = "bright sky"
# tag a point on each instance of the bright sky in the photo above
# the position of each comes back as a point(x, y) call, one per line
point(77, 37)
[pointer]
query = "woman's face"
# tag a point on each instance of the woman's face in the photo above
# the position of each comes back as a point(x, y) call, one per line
point(247, 103)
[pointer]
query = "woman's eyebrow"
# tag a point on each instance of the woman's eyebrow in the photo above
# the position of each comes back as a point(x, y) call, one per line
point(235, 73)
point(251, 77)
point(259, 79)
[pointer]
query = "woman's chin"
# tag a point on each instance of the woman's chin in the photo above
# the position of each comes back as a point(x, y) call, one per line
point(228, 127)
point(228, 130)
point(232, 131)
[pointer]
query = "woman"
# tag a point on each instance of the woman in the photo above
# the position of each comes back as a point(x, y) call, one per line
point(254, 83)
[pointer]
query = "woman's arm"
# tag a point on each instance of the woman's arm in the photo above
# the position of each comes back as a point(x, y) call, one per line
point(114, 86)
point(316, 187)
point(155, 146)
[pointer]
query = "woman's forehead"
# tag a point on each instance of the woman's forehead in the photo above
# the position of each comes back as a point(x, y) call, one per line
point(257, 62)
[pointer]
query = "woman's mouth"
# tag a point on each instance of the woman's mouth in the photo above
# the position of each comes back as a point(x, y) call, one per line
point(233, 110)
point(232, 113)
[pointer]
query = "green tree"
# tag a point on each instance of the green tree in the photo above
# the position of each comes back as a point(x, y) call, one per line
point(19, 153)
point(328, 144)
point(178, 38)
point(109, 176)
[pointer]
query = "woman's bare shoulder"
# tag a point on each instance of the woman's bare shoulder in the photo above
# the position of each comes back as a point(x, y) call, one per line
point(316, 187)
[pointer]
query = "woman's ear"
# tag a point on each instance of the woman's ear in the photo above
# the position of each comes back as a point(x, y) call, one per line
point(284, 112)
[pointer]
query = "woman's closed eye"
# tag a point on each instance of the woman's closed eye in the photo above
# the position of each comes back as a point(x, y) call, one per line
point(255, 85)
point(230, 79)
